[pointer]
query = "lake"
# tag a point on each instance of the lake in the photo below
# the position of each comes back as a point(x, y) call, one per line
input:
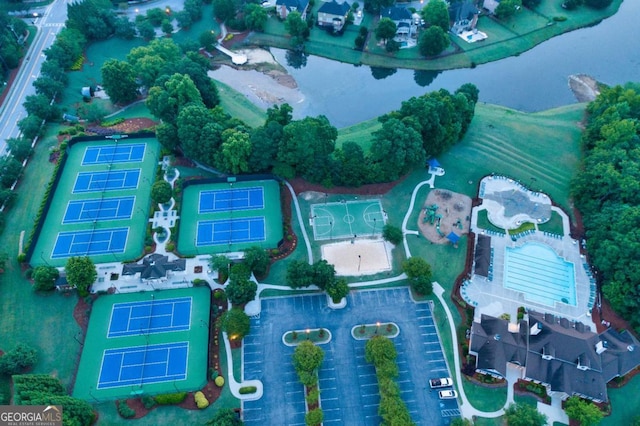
point(534, 81)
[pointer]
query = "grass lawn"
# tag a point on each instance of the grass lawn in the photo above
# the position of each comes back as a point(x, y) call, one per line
point(359, 133)
point(483, 222)
point(554, 225)
point(485, 399)
point(43, 321)
point(624, 410)
point(135, 110)
point(238, 106)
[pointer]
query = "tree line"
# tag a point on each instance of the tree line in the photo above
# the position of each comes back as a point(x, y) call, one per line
point(606, 190)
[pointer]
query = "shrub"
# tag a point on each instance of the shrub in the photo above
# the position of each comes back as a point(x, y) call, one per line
point(18, 359)
point(219, 381)
point(214, 374)
point(313, 397)
point(170, 398)
point(314, 417)
point(247, 389)
point(22, 257)
point(148, 402)
point(199, 282)
point(124, 410)
point(559, 18)
point(201, 401)
point(113, 122)
point(171, 247)
point(392, 234)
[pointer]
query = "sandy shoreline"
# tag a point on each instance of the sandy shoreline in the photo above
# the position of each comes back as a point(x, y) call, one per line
point(263, 89)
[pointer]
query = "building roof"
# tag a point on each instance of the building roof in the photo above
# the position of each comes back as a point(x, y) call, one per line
point(565, 355)
point(462, 10)
point(396, 13)
point(482, 255)
point(334, 8)
point(299, 5)
point(154, 266)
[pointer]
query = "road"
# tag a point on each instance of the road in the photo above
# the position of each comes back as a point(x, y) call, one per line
point(49, 25)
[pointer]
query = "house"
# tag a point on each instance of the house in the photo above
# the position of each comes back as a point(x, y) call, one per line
point(403, 19)
point(564, 356)
point(154, 267)
point(333, 15)
point(491, 5)
point(284, 7)
point(463, 15)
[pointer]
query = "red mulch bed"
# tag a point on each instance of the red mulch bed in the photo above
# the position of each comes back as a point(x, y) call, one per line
point(80, 313)
point(10, 80)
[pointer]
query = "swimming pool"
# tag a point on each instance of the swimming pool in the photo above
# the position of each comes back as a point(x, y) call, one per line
point(536, 270)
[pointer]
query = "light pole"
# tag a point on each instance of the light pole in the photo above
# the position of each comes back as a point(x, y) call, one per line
point(330, 231)
point(359, 261)
point(377, 327)
point(308, 331)
point(374, 227)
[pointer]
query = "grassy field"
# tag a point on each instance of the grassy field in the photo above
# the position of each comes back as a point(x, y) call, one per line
point(509, 37)
point(43, 321)
point(238, 106)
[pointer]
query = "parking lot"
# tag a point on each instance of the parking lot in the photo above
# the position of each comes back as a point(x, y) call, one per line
point(348, 385)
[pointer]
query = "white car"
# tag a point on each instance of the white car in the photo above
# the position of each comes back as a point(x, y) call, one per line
point(448, 394)
point(440, 383)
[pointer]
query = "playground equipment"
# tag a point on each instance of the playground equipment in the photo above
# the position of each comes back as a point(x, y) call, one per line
point(439, 218)
point(430, 213)
point(459, 223)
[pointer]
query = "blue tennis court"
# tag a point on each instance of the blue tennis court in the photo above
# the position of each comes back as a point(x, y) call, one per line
point(143, 364)
point(107, 154)
point(148, 317)
point(214, 232)
point(99, 209)
point(231, 199)
point(111, 180)
point(84, 243)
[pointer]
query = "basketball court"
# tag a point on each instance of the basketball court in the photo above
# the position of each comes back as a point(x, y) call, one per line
point(347, 219)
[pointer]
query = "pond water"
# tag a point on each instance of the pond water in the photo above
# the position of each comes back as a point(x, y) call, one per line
point(534, 81)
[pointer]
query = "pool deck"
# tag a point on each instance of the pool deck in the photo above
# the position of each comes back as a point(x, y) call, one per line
point(491, 298)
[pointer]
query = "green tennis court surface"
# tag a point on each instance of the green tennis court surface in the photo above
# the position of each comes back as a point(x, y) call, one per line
point(348, 219)
point(230, 216)
point(100, 206)
point(145, 343)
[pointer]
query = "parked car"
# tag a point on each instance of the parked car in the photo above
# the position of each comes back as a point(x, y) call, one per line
point(447, 394)
point(440, 383)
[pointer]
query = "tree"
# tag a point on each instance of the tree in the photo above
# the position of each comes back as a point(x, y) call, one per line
point(433, 41)
point(167, 27)
point(396, 149)
point(353, 167)
point(183, 19)
point(20, 148)
point(51, 68)
point(167, 99)
point(48, 87)
point(585, 412)
point(264, 142)
point(307, 357)
point(386, 29)
point(41, 106)
point(507, 8)
point(419, 273)
point(257, 260)
point(208, 39)
point(255, 17)
point(380, 73)
point(297, 28)
point(30, 126)
point(67, 48)
point(81, 273)
point(393, 234)
point(461, 422)
point(145, 29)
point(119, 81)
point(530, 3)
point(235, 323)
point(10, 170)
point(234, 152)
point(219, 262)
point(124, 28)
point(374, 6)
point(241, 290)
point(337, 289)
point(324, 274)
point(225, 417)
point(299, 274)
point(310, 160)
point(224, 9)
point(379, 350)
point(161, 192)
point(92, 112)
point(167, 135)
point(44, 277)
point(436, 12)
point(522, 414)
point(18, 359)
point(95, 19)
